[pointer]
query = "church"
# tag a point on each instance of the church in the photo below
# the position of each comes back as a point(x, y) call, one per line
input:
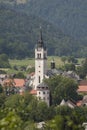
point(40, 89)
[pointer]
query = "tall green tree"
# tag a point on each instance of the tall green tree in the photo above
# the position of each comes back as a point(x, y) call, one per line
point(62, 88)
point(4, 62)
point(11, 122)
point(82, 70)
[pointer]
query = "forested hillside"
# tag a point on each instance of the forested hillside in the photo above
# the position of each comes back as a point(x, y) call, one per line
point(19, 32)
point(69, 15)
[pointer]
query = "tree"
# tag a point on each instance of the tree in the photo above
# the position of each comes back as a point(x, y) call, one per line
point(29, 125)
point(57, 123)
point(42, 113)
point(82, 70)
point(63, 110)
point(11, 122)
point(84, 66)
point(1, 89)
point(62, 88)
point(4, 62)
point(2, 100)
point(67, 119)
point(64, 59)
point(69, 67)
point(72, 59)
point(20, 75)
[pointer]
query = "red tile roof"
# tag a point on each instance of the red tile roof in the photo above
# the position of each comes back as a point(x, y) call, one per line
point(33, 92)
point(83, 82)
point(82, 86)
point(15, 82)
point(79, 103)
point(19, 82)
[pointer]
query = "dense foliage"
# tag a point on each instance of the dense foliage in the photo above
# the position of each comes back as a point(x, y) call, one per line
point(4, 62)
point(62, 88)
point(19, 32)
point(68, 15)
point(23, 112)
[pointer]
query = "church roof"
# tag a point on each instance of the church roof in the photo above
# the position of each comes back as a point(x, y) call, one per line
point(53, 72)
point(71, 74)
point(68, 103)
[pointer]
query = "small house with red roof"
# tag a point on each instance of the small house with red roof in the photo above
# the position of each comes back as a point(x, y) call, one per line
point(82, 88)
point(17, 85)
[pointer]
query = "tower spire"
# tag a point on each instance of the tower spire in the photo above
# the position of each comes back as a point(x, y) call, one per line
point(40, 41)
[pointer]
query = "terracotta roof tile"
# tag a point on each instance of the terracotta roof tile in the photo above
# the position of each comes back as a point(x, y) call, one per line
point(33, 92)
point(19, 82)
point(79, 103)
point(83, 82)
point(82, 88)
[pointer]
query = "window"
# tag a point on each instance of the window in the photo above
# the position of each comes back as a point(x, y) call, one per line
point(43, 92)
point(39, 79)
point(38, 55)
point(44, 55)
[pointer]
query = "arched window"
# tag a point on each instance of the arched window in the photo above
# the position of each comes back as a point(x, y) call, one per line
point(39, 79)
point(39, 55)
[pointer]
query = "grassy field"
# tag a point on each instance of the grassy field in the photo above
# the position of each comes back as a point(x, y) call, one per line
point(24, 62)
point(31, 62)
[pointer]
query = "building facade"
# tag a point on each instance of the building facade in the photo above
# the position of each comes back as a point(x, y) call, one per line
point(40, 61)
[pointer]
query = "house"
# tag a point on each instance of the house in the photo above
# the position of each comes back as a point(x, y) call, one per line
point(33, 92)
point(85, 125)
point(2, 78)
point(82, 88)
point(16, 85)
point(72, 75)
point(84, 101)
point(43, 93)
point(40, 125)
point(68, 103)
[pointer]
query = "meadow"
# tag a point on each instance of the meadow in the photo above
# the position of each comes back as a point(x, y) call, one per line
point(30, 62)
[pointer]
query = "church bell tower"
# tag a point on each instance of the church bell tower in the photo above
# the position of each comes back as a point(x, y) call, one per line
point(40, 61)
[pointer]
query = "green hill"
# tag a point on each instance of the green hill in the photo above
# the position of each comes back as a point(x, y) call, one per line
point(19, 33)
point(69, 15)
